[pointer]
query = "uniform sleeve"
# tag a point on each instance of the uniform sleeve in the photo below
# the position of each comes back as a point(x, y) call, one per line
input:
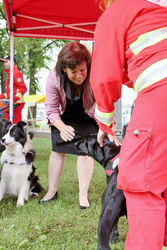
point(108, 62)
point(20, 86)
point(2, 96)
point(126, 81)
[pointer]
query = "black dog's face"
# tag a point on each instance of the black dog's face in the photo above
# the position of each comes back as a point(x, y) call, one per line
point(90, 146)
point(14, 133)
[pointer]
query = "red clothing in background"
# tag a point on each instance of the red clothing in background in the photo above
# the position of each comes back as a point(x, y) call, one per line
point(19, 89)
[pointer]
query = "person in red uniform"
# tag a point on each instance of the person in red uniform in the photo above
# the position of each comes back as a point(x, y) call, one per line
point(131, 47)
point(19, 89)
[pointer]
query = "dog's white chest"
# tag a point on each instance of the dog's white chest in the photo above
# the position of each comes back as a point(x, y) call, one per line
point(15, 175)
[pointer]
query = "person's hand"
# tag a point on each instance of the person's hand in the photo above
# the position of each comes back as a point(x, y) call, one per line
point(67, 133)
point(100, 136)
point(112, 138)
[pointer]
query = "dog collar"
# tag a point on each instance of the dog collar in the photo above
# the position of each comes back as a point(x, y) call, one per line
point(12, 163)
point(115, 161)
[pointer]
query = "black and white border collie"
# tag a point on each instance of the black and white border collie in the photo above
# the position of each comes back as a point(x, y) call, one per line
point(18, 177)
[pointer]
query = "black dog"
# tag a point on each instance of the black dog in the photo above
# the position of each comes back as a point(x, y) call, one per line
point(113, 199)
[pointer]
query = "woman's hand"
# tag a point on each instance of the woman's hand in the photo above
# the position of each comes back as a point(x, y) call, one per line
point(112, 138)
point(67, 133)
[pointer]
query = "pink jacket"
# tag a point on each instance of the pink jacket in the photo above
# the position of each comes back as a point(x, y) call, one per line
point(55, 102)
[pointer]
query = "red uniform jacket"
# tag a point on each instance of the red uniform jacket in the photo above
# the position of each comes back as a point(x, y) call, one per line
point(19, 87)
point(113, 61)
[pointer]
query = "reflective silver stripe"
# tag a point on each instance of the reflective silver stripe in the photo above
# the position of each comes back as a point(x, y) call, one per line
point(148, 39)
point(152, 74)
point(19, 95)
point(106, 118)
point(20, 101)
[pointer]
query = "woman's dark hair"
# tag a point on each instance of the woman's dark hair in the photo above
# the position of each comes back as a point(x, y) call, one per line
point(71, 55)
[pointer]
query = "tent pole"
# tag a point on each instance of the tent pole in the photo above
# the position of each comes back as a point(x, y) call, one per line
point(11, 74)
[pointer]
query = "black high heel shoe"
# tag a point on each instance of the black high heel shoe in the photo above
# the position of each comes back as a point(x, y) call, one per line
point(83, 207)
point(53, 198)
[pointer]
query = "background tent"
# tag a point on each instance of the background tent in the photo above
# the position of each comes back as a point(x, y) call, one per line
point(32, 100)
point(56, 19)
point(61, 19)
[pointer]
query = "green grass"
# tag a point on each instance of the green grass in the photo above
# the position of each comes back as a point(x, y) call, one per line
point(59, 224)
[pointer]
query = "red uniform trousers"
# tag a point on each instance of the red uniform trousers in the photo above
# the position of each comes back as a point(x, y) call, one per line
point(17, 116)
point(143, 171)
point(146, 218)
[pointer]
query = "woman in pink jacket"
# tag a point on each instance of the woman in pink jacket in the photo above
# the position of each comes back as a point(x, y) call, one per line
point(69, 107)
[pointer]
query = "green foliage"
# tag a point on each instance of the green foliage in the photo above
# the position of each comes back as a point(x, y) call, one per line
point(88, 45)
point(60, 224)
point(4, 45)
point(32, 54)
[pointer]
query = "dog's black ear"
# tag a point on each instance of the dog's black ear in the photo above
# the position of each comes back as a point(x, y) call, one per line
point(4, 125)
point(21, 124)
point(5, 122)
point(2, 128)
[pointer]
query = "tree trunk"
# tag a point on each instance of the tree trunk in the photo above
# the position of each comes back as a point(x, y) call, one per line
point(3, 79)
point(32, 87)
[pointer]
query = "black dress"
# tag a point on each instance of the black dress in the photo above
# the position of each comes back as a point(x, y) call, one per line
point(74, 116)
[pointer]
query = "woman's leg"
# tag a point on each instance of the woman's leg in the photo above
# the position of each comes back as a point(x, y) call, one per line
point(56, 166)
point(85, 166)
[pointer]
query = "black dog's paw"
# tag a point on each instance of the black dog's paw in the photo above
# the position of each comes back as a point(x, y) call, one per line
point(114, 236)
